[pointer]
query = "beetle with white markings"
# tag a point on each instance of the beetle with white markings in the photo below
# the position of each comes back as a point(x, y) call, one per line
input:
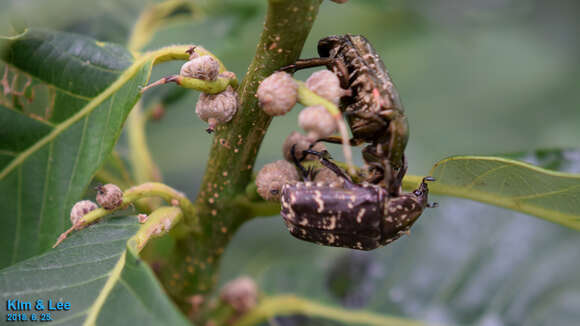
point(358, 216)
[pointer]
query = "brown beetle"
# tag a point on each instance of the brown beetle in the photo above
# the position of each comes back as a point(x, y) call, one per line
point(358, 216)
point(373, 108)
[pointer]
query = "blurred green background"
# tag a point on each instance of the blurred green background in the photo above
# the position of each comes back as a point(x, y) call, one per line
point(476, 77)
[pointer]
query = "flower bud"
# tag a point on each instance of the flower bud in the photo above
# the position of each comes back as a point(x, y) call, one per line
point(317, 122)
point(327, 177)
point(277, 94)
point(241, 294)
point(302, 143)
point(227, 74)
point(109, 196)
point(326, 84)
point(273, 176)
point(80, 209)
point(204, 67)
point(218, 108)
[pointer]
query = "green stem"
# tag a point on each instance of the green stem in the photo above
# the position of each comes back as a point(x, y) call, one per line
point(150, 189)
point(170, 195)
point(233, 154)
point(284, 305)
point(158, 223)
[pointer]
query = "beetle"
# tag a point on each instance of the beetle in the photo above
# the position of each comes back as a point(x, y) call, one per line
point(358, 216)
point(373, 109)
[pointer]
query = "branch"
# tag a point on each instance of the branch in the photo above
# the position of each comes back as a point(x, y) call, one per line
point(233, 154)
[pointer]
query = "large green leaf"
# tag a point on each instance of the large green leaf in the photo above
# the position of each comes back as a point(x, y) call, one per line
point(98, 272)
point(48, 160)
point(464, 263)
point(516, 185)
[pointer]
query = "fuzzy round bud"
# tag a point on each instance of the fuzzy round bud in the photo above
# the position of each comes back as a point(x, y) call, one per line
point(273, 176)
point(80, 209)
point(109, 196)
point(241, 294)
point(302, 143)
point(317, 122)
point(277, 94)
point(204, 67)
point(326, 84)
point(227, 74)
point(326, 176)
point(218, 108)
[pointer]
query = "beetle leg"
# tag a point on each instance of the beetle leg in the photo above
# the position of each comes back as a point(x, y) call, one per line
point(324, 160)
point(339, 68)
point(334, 64)
point(337, 140)
point(424, 186)
point(305, 172)
point(307, 63)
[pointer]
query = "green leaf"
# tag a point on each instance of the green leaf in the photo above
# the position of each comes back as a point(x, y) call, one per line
point(48, 160)
point(512, 184)
point(94, 270)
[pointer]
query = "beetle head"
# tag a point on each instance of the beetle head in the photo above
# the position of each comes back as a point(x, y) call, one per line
point(421, 194)
point(402, 211)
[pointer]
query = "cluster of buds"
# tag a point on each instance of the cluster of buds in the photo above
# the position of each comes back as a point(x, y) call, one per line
point(215, 109)
point(212, 108)
point(278, 93)
point(109, 197)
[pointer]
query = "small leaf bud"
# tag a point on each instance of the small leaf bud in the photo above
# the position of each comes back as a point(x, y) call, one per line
point(204, 67)
point(277, 94)
point(227, 74)
point(218, 108)
point(109, 196)
point(273, 176)
point(326, 84)
point(317, 121)
point(241, 294)
point(327, 177)
point(302, 143)
point(80, 209)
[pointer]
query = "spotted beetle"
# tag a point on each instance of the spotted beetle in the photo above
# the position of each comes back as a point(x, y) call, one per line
point(373, 109)
point(358, 216)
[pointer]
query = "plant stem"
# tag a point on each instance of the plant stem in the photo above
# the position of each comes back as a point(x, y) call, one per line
point(193, 267)
point(158, 223)
point(291, 305)
point(131, 195)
